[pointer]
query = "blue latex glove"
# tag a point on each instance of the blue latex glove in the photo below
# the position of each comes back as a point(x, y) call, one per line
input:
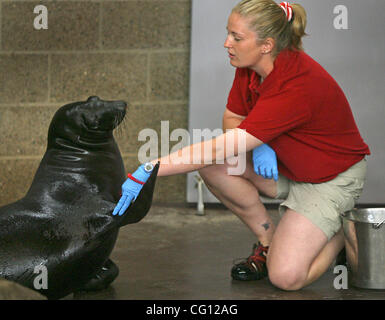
point(130, 190)
point(265, 162)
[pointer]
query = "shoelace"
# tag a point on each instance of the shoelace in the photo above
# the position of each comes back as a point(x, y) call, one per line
point(258, 256)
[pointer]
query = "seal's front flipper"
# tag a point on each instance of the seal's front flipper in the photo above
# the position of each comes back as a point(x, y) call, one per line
point(139, 208)
point(102, 279)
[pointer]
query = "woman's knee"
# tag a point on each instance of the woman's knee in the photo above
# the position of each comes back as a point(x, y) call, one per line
point(286, 278)
point(211, 174)
point(208, 171)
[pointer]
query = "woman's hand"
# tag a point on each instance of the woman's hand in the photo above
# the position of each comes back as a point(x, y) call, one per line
point(265, 162)
point(131, 188)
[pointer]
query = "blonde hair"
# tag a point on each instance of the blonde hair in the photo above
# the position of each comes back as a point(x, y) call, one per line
point(269, 20)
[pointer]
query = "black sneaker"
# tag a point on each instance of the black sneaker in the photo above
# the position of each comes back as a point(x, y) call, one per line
point(254, 267)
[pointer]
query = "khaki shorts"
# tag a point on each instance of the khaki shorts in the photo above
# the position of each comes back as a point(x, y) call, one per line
point(323, 203)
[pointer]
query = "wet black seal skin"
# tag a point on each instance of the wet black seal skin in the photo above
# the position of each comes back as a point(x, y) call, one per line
point(65, 223)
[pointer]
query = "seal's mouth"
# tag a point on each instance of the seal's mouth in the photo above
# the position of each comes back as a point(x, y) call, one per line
point(107, 124)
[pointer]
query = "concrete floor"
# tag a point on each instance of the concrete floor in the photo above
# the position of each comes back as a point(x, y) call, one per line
point(174, 254)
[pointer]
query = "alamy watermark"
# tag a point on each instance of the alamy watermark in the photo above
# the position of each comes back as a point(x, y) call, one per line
point(341, 281)
point(340, 21)
point(41, 280)
point(41, 20)
point(198, 153)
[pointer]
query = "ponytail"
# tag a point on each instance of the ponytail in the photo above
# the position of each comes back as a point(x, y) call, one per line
point(298, 26)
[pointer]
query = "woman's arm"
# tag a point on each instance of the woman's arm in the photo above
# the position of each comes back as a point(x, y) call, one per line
point(231, 120)
point(190, 158)
point(203, 154)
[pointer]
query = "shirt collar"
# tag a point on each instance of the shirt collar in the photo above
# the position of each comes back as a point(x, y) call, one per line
point(282, 64)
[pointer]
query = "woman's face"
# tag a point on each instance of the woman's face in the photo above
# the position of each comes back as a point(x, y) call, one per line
point(242, 43)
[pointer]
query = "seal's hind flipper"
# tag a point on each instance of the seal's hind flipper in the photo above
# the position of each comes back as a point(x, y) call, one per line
point(103, 278)
point(139, 208)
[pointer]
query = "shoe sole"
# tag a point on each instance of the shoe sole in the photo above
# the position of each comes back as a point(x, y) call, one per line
point(246, 278)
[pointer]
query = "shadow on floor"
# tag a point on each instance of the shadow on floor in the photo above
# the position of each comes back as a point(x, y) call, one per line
point(173, 254)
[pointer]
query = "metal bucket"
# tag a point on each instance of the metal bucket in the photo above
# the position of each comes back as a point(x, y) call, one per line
point(364, 231)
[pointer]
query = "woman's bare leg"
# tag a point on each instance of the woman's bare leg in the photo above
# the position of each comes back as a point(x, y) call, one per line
point(241, 193)
point(300, 252)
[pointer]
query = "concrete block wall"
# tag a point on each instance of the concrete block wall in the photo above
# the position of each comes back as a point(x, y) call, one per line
point(134, 50)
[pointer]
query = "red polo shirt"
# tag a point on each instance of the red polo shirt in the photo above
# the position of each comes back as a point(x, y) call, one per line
point(302, 113)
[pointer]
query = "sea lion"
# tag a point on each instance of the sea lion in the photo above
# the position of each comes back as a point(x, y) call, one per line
point(65, 223)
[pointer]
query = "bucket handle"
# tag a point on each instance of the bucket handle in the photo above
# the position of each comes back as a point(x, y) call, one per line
point(374, 225)
point(378, 225)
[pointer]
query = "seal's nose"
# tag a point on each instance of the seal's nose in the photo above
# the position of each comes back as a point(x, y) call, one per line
point(117, 105)
point(96, 102)
point(121, 105)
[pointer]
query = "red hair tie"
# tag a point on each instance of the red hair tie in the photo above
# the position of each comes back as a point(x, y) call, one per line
point(288, 10)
